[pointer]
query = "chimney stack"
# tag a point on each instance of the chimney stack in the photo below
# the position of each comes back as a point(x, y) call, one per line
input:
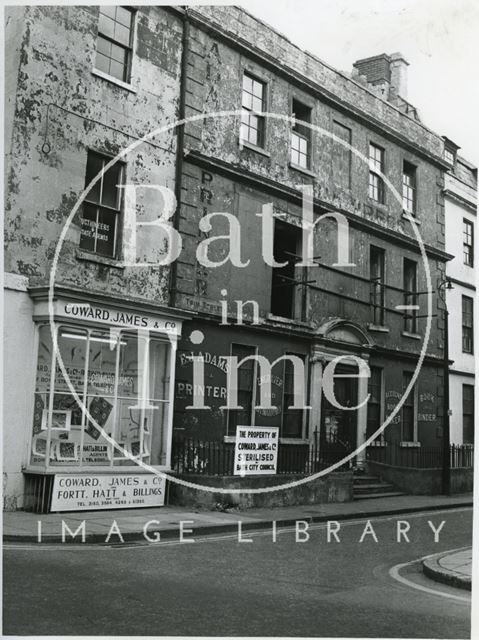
point(384, 73)
point(398, 67)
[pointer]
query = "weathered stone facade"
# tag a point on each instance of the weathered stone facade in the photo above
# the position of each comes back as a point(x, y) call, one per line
point(190, 65)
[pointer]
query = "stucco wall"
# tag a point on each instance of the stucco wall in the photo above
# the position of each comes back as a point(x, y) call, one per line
point(19, 380)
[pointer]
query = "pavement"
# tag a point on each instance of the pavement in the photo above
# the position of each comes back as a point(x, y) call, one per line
point(146, 524)
point(454, 568)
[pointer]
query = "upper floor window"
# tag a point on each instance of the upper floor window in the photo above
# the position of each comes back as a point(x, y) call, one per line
point(410, 295)
point(376, 167)
point(253, 104)
point(376, 269)
point(286, 249)
point(342, 155)
point(449, 156)
point(468, 242)
point(114, 43)
point(301, 136)
point(101, 208)
point(467, 324)
point(409, 188)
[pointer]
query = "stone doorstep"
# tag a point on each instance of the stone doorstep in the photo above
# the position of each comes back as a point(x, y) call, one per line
point(433, 569)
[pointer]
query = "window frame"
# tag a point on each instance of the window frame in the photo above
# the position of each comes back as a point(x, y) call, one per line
point(127, 48)
point(411, 401)
point(105, 159)
point(468, 414)
point(378, 310)
point(410, 298)
point(302, 133)
point(228, 412)
point(284, 404)
point(376, 190)
point(467, 327)
point(409, 191)
point(52, 390)
point(250, 111)
point(380, 404)
point(468, 247)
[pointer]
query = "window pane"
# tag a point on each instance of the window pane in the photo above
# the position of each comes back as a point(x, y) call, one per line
point(106, 232)
point(94, 166)
point(124, 16)
point(106, 25)
point(111, 180)
point(88, 227)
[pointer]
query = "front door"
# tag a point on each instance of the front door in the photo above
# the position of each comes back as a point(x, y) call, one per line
point(339, 426)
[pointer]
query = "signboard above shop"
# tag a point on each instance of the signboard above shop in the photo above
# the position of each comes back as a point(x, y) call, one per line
point(124, 318)
point(256, 451)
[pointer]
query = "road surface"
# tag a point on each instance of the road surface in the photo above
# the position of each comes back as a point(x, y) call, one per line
point(219, 586)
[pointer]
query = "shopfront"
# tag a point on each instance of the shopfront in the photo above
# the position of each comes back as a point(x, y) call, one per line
point(103, 405)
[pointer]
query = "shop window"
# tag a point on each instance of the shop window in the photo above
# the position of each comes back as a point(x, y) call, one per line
point(292, 419)
point(467, 324)
point(468, 242)
point(408, 411)
point(114, 42)
point(376, 168)
point(245, 391)
point(468, 414)
point(301, 136)
point(376, 268)
point(374, 416)
point(342, 155)
point(101, 209)
point(253, 104)
point(286, 248)
point(410, 295)
point(409, 188)
point(120, 379)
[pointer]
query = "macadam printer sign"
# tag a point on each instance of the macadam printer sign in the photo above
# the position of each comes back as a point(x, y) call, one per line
point(72, 492)
point(256, 451)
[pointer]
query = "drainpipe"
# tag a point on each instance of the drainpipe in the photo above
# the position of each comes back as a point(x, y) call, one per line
point(180, 137)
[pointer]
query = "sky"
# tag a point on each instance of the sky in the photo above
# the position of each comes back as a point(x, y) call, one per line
point(439, 38)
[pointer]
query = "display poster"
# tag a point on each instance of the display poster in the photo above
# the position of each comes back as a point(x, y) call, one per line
point(256, 451)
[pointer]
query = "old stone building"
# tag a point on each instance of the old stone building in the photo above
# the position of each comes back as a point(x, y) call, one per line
point(460, 191)
point(269, 128)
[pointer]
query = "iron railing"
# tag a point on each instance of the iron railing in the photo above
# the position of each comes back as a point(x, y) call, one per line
point(216, 458)
point(395, 454)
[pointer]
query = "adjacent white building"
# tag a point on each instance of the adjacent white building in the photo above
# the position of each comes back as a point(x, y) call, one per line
point(461, 221)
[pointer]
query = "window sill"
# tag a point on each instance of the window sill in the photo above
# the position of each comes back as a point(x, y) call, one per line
point(376, 203)
point(288, 321)
point(93, 257)
point(407, 215)
point(229, 439)
point(378, 327)
point(378, 444)
point(406, 444)
point(296, 441)
point(307, 172)
point(414, 336)
point(113, 80)
point(253, 147)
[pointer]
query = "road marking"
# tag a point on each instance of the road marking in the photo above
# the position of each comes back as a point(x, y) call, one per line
point(394, 573)
point(144, 544)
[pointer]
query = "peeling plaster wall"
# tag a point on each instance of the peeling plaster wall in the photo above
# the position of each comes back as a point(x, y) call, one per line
point(87, 112)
